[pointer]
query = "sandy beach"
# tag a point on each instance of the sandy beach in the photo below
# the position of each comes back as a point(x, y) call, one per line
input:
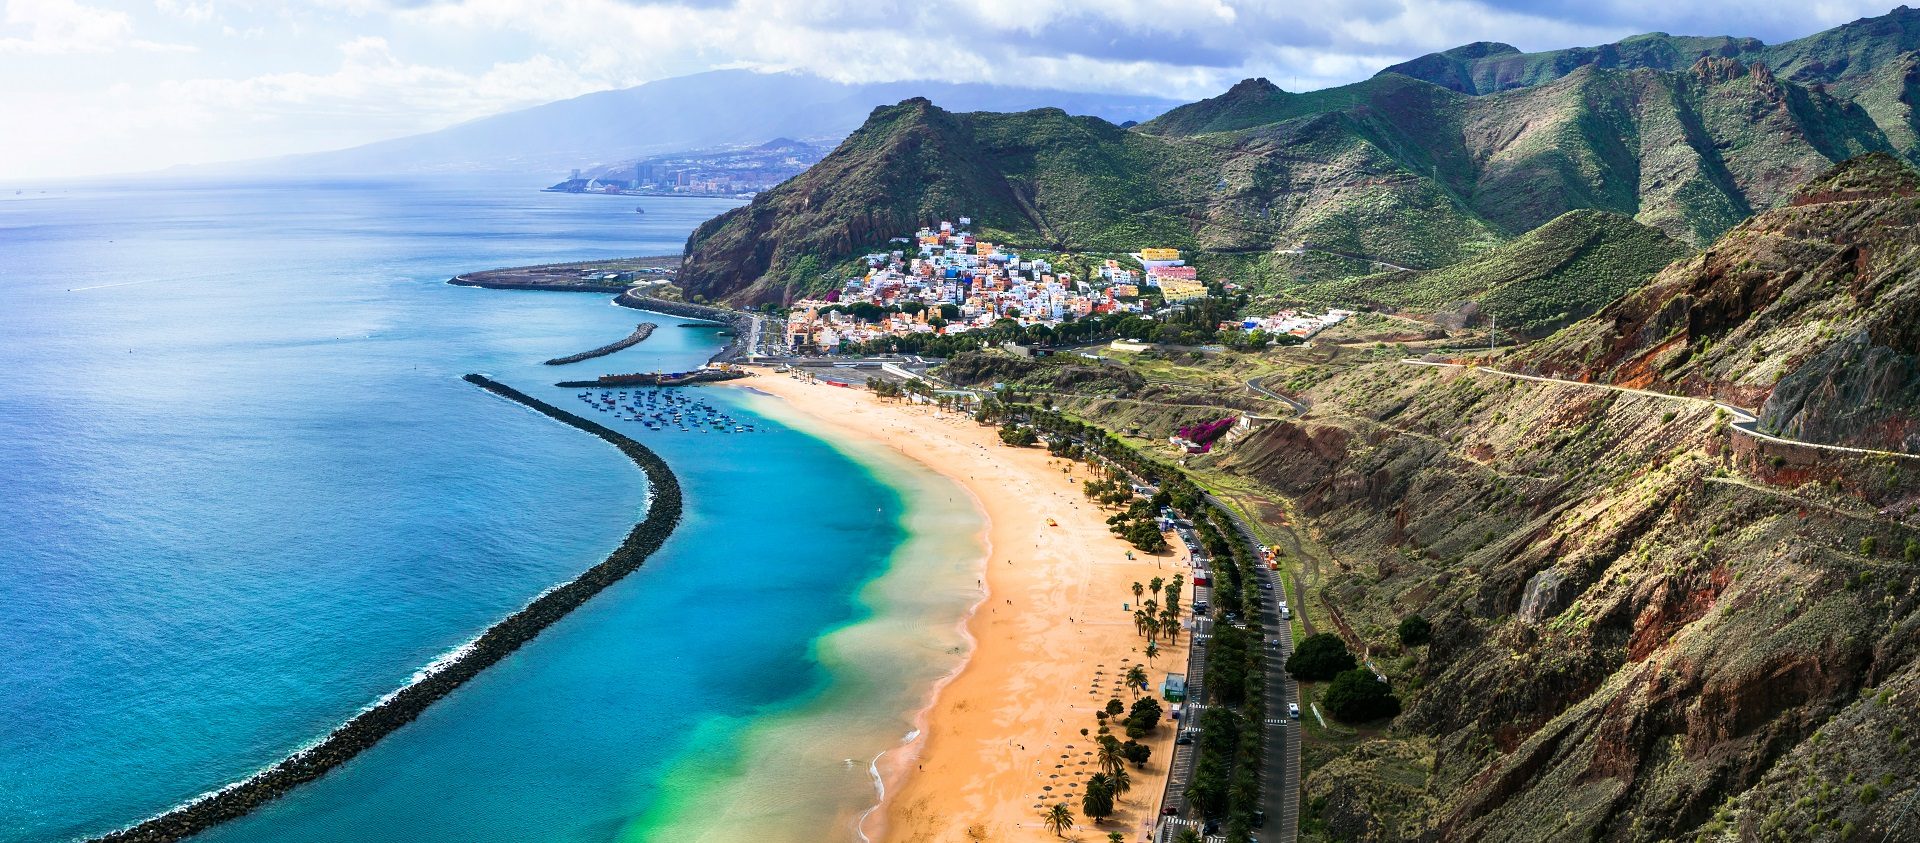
point(1053, 637)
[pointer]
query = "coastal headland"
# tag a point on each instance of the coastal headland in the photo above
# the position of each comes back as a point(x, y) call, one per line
point(439, 679)
point(639, 335)
point(1053, 637)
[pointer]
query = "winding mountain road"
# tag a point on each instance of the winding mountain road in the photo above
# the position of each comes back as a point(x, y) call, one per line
point(1742, 420)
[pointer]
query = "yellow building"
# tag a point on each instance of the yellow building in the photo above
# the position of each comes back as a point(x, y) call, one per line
point(1180, 289)
point(1160, 254)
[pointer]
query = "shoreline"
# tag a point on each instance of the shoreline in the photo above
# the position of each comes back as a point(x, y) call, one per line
point(446, 673)
point(985, 729)
point(639, 335)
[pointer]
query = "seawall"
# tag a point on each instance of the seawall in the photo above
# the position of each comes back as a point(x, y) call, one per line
point(397, 709)
point(639, 334)
point(574, 287)
point(741, 323)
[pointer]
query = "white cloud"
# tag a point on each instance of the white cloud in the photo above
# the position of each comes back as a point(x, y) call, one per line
point(277, 77)
point(60, 27)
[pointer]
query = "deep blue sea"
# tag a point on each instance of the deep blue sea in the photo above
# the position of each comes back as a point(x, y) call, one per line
point(243, 494)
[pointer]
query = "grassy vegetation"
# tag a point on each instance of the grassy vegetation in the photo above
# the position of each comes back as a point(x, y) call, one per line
point(1553, 275)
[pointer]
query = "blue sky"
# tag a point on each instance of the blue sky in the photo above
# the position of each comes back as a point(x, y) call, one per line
point(90, 86)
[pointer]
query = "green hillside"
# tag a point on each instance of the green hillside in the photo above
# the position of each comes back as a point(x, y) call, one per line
point(1809, 313)
point(1557, 273)
point(1391, 169)
point(1870, 61)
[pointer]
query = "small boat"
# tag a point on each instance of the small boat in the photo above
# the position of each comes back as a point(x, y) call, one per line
point(1052, 523)
point(639, 210)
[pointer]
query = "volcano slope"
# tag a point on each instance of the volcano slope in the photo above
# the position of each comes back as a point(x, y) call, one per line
point(1645, 625)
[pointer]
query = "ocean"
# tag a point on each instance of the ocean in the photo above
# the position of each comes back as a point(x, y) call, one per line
point(247, 494)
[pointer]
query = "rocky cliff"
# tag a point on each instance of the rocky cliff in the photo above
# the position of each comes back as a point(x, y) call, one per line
point(1809, 313)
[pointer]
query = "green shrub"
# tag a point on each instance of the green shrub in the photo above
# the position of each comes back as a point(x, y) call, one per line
point(1867, 546)
point(1320, 656)
point(1357, 696)
point(1415, 631)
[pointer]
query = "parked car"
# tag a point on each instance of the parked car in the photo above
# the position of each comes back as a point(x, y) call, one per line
point(1293, 710)
point(1259, 819)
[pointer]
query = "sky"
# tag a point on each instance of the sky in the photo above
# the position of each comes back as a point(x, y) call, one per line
point(92, 87)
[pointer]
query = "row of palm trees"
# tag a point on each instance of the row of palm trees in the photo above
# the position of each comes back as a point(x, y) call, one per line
point(1152, 619)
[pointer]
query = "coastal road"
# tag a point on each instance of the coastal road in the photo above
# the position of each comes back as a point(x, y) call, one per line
point(1180, 768)
point(1280, 774)
point(1740, 419)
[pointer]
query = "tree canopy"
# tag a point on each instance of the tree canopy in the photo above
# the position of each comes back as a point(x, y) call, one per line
point(1320, 656)
point(1357, 696)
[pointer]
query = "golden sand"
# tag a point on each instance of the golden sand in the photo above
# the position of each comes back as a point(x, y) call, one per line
point(1053, 637)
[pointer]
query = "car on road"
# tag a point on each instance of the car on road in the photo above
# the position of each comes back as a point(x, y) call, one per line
point(1259, 819)
point(1170, 811)
point(1286, 614)
point(1293, 711)
point(1266, 586)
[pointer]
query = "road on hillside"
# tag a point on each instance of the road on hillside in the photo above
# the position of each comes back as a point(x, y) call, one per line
point(1741, 419)
point(1254, 384)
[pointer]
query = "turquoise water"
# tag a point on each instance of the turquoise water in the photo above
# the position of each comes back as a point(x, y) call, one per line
point(247, 495)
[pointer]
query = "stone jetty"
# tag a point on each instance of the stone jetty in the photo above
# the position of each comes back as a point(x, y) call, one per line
point(395, 710)
point(639, 334)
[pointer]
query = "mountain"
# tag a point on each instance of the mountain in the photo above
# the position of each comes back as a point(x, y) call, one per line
point(680, 114)
point(1390, 169)
point(1041, 176)
point(1539, 282)
point(1870, 60)
point(1810, 313)
point(1641, 623)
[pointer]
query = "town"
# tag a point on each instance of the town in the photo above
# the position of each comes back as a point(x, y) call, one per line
point(946, 281)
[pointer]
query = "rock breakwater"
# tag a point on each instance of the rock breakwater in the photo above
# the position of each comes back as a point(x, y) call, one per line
point(397, 709)
point(741, 323)
point(639, 334)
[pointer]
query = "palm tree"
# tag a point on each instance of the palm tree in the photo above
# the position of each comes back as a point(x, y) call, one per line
point(1153, 649)
point(1187, 835)
point(1116, 837)
point(1110, 758)
point(1097, 804)
point(1153, 631)
point(1138, 590)
point(1136, 679)
point(1139, 621)
point(1059, 819)
point(1122, 780)
point(1170, 621)
point(1155, 584)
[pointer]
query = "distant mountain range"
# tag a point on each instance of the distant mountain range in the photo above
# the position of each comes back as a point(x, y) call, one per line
point(707, 110)
point(1425, 165)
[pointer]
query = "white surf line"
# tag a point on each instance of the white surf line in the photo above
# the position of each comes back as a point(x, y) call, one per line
point(1742, 420)
point(879, 788)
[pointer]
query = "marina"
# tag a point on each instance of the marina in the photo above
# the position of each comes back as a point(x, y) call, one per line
point(662, 409)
